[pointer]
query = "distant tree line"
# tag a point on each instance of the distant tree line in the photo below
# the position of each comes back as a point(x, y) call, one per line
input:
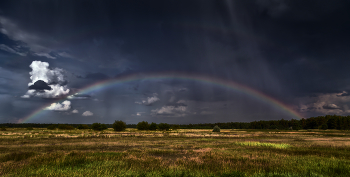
point(45, 125)
point(320, 122)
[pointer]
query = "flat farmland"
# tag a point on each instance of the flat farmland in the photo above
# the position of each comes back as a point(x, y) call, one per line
point(183, 152)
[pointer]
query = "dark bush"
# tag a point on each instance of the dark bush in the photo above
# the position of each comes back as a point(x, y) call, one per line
point(164, 126)
point(98, 126)
point(142, 125)
point(175, 127)
point(29, 128)
point(83, 126)
point(51, 127)
point(119, 125)
point(153, 126)
point(216, 129)
point(65, 127)
point(2, 129)
point(104, 127)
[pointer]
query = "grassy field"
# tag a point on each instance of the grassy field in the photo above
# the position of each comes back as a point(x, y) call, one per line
point(42, 152)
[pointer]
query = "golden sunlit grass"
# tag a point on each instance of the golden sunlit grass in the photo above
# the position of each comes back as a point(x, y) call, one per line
point(42, 152)
point(274, 145)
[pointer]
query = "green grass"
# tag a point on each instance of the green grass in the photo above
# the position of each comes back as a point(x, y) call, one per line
point(179, 153)
point(274, 145)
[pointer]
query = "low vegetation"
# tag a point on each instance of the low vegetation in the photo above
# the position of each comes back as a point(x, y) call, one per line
point(163, 126)
point(83, 126)
point(98, 126)
point(29, 128)
point(65, 127)
point(119, 125)
point(51, 127)
point(153, 126)
point(216, 129)
point(142, 125)
point(190, 152)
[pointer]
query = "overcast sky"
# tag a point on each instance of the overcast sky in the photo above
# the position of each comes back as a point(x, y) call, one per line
point(293, 51)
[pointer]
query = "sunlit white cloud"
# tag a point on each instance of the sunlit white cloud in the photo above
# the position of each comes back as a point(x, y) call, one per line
point(139, 113)
point(87, 113)
point(25, 96)
point(64, 106)
point(79, 97)
point(150, 100)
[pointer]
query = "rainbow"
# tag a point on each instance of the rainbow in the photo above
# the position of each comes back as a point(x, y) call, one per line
point(264, 98)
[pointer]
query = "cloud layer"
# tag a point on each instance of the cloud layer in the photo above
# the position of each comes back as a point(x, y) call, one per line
point(171, 111)
point(327, 103)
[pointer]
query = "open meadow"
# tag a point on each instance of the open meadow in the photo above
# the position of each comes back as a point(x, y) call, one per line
point(183, 152)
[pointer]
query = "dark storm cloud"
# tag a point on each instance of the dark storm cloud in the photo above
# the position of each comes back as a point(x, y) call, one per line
point(308, 41)
point(96, 76)
point(126, 72)
point(40, 85)
point(285, 49)
point(183, 89)
point(176, 104)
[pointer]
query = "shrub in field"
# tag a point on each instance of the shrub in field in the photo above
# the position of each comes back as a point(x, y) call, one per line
point(83, 126)
point(153, 126)
point(51, 127)
point(164, 126)
point(104, 127)
point(65, 127)
point(142, 125)
point(98, 126)
point(2, 129)
point(119, 125)
point(29, 128)
point(175, 127)
point(216, 129)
